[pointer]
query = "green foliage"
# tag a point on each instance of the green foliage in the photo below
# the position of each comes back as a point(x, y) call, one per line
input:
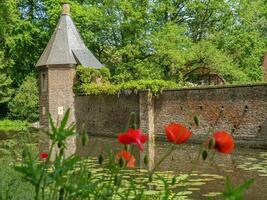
point(140, 40)
point(155, 86)
point(7, 125)
point(5, 82)
point(60, 134)
point(12, 185)
point(86, 83)
point(236, 193)
point(25, 103)
point(96, 89)
point(89, 74)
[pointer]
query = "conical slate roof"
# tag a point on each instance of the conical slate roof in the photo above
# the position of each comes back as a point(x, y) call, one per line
point(67, 47)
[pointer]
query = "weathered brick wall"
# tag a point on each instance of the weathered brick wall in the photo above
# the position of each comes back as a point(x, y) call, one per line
point(105, 115)
point(60, 80)
point(241, 110)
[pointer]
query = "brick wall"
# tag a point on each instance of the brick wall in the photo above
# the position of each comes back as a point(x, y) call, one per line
point(105, 115)
point(241, 110)
point(60, 80)
point(238, 109)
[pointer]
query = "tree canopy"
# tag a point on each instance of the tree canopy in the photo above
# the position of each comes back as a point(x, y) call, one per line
point(141, 39)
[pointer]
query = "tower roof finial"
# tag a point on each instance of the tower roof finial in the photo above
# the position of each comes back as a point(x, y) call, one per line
point(65, 9)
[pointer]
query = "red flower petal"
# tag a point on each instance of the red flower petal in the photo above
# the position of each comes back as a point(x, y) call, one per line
point(144, 138)
point(133, 136)
point(128, 157)
point(43, 155)
point(177, 133)
point(124, 139)
point(224, 142)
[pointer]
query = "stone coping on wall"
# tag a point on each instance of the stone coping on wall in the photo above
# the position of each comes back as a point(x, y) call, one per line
point(208, 87)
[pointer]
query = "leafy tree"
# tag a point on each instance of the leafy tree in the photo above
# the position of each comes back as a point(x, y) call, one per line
point(25, 103)
point(143, 40)
point(5, 82)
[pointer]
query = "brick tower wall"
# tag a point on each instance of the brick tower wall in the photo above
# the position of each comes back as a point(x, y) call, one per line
point(56, 100)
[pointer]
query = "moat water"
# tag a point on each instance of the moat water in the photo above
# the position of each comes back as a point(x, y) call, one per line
point(204, 178)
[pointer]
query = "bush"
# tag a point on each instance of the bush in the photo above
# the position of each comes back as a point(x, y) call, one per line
point(24, 105)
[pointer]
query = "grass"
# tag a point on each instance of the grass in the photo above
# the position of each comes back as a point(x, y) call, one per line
point(7, 125)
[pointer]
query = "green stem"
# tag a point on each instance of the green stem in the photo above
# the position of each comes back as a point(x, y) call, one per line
point(37, 188)
point(163, 158)
point(44, 169)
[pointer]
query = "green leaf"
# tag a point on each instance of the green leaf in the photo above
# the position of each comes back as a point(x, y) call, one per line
point(52, 124)
point(244, 186)
point(64, 121)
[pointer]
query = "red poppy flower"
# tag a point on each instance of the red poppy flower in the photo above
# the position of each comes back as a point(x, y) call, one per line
point(177, 133)
point(132, 136)
point(127, 157)
point(43, 155)
point(224, 142)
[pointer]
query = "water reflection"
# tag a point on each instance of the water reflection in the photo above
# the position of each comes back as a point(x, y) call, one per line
point(206, 178)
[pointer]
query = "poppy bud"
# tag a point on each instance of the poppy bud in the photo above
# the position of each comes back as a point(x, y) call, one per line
point(150, 178)
point(146, 160)
point(100, 159)
point(204, 154)
point(84, 139)
point(121, 162)
point(173, 180)
point(84, 135)
point(196, 120)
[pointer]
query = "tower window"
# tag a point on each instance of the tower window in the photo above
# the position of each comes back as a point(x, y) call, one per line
point(43, 82)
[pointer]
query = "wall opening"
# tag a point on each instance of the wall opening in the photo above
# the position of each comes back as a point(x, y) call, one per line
point(43, 82)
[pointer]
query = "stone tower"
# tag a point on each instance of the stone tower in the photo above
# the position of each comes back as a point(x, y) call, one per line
point(64, 51)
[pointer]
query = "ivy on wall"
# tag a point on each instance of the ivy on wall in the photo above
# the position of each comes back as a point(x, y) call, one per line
point(91, 81)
